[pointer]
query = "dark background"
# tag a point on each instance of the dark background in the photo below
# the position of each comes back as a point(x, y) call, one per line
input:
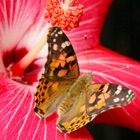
point(121, 30)
point(121, 34)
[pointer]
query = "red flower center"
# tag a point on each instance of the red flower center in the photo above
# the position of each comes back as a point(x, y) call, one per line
point(15, 71)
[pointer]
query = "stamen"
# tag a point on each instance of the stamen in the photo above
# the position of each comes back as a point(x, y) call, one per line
point(65, 15)
point(66, 5)
point(18, 68)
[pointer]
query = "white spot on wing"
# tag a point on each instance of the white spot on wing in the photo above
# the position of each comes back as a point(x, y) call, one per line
point(117, 92)
point(116, 100)
point(52, 33)
point(129, 91)
point(127, 96)
point(65, 44)
point(55, 47)
point(119, 88)
point(54, 40)
point(60, 32)
point(56, 35)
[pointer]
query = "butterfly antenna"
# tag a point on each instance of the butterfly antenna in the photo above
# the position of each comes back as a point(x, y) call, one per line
point(123, 67)
point(85, 43)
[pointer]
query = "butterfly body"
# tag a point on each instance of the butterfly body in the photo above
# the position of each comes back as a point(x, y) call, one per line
point(74, 93)
point(76, 99)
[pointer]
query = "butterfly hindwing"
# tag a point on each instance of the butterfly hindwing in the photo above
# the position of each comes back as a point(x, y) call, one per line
point(61, 70)
point(75, 118)
point(72, 110)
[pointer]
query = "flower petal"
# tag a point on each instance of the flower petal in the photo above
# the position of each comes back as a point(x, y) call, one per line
point(90, 25)
point(21, 27)
point(16, 19)
point(108, 66)
point(18, 120)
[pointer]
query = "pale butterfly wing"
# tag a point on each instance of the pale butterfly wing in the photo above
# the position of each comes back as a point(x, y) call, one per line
point(72, 110)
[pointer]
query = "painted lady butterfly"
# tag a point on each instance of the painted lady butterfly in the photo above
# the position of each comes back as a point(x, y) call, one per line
point(60, 87)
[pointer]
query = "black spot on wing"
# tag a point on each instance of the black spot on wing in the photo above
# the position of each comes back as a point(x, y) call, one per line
point(37, 110)
point(72, 124)
point(43, 94)
point(112, 88)
point(45, 87)
point(46, 82)
point(36, 94)
point(69, 50)
point(101, 87)
point(43, 100)
point(73, 63)
point(61, 128)
point(36, 101)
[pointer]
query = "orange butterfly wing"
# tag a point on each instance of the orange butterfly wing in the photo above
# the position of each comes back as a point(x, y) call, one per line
point(61, 70)
point(103, 96)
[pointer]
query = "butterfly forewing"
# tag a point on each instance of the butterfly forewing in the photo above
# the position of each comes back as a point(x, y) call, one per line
point(91, 101)
point(61, 60)
point(101, 97)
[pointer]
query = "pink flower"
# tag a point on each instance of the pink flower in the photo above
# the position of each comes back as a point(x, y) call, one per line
point(21, 27)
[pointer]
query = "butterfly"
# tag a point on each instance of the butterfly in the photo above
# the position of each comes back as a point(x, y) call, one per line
point(76, 99)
